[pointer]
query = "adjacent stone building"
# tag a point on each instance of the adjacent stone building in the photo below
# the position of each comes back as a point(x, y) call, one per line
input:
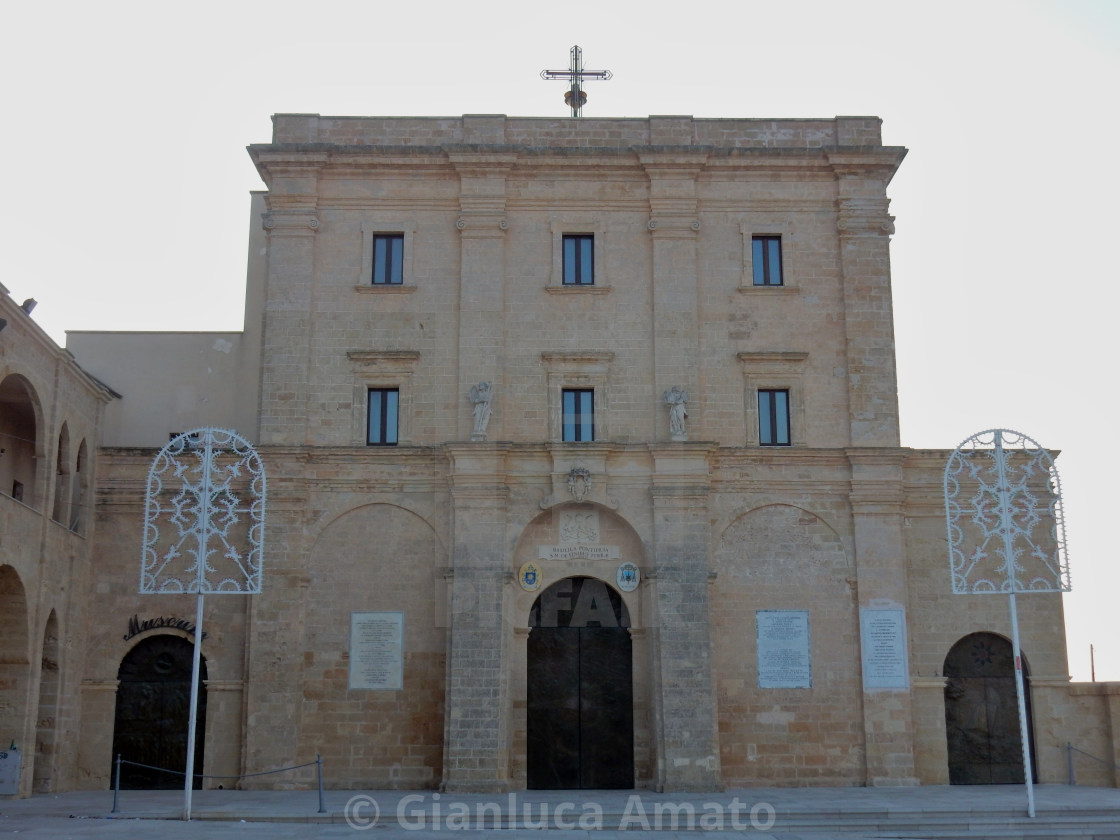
point(584, 471)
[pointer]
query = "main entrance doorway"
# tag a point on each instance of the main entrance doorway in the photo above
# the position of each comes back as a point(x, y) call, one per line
point(982, 712)
point(153, 711)
point(580, 696)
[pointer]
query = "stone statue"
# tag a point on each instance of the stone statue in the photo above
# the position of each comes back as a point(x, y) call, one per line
point(677, 398)
point(481, 395)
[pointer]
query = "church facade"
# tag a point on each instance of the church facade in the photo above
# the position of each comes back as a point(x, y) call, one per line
point(584, 471)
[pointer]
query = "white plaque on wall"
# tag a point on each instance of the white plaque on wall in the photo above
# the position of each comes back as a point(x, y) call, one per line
point(783, 649)
point(377, 651)
point(882, 637)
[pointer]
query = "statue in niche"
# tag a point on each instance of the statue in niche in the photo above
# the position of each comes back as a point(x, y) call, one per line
point(481, 395)
point(677, 398)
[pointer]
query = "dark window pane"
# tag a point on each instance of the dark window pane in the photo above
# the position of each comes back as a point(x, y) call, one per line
point(773, 418)
point(578, 418)
point(766, 260)
point(579, 259)
point(765, 429)
point(388, 259)
point(781, 418)
point(390, 427)
point(774, 261)
point(383, 405)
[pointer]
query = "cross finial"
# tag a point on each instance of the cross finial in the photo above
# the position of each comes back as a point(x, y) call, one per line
point(575, 74)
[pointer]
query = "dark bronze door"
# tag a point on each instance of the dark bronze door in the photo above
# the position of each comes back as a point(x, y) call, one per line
point(982, 712)
point(580, 703)
point(153, 712)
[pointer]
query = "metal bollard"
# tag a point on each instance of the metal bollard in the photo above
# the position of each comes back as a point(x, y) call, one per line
point(117, 788)
point(319, 770)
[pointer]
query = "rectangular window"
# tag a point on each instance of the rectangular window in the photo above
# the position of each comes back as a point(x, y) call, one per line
point(579, 259)
point(766, 257)
point(773, 418)
point(579, 414)
point(388, 259)
point(382, 428)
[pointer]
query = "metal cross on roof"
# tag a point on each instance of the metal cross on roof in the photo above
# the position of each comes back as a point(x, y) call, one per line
point(574, 97)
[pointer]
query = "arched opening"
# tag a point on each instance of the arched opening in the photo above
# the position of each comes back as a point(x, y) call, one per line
point(62, 477)
point(579, 693)
point(14, 664)
point(46, 722)
point(79, 489)
point(18, 440)
point(153, 712)
point(985, 744)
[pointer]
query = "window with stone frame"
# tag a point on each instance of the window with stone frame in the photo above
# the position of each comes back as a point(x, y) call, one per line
point(578, 421)
point(766, 260)
point(773, 417)
point(579, 259)
point(388, 259)
point(383, 416)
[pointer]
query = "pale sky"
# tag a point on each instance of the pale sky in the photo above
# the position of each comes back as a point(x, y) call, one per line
point(124, 202)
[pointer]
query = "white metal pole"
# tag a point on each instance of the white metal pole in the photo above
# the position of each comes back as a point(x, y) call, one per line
point(192, 726)
point(1009, 567)
point(1020, 691)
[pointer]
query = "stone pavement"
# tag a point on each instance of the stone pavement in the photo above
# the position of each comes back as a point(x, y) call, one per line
point(920, 813)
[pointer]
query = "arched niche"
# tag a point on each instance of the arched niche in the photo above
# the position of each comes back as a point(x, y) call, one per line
point(19, 439)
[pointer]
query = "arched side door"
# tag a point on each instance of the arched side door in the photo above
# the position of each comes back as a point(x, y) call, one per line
point(153, 712)
point(982, 712)
point(580, 701)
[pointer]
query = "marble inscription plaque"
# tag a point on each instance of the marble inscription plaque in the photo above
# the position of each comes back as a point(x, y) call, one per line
point(882, 635)
point(783, 649)
point(377, 651)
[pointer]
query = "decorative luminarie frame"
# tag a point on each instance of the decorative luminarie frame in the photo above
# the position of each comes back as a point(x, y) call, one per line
point(204, 516)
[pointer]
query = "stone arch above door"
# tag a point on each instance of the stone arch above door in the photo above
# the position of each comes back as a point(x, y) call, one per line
point(579, 539)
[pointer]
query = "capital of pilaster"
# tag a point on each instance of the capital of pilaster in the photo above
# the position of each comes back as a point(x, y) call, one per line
point(865, 217)
point(688, 462)
point(684, 226)
point(301, 222)
point(876, 481)
point(482, 225)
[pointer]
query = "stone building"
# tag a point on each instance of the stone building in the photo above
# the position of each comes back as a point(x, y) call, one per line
point(584, 471)
point(51, 416)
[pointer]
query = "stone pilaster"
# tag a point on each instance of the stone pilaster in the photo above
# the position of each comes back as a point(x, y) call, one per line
point(674, 226)
point(684, 703)
point(291, 223)
point(478, 727)
point(888, 715)
point(865, 228)
point(482, 225)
